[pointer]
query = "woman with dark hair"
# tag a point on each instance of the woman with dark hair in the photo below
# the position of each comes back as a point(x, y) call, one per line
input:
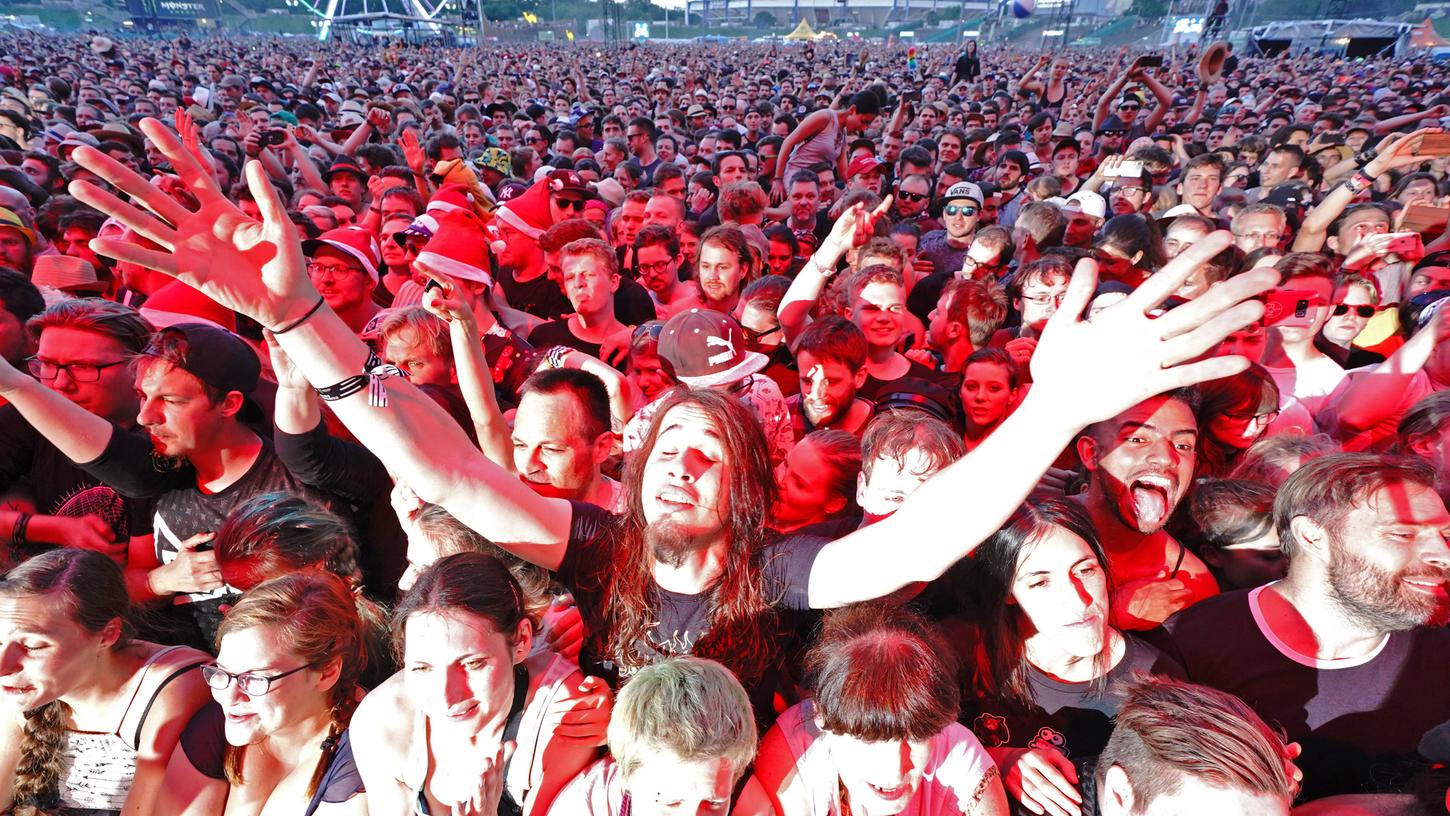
point(433, 737)
point(88, 715)
point(991, 383)
point(290, 658)
point(817, 480)
point(1050, 667)
point(821, 137)
point(785, 249)
point(1233, 413)
point(1128, 248)
point(879, 734)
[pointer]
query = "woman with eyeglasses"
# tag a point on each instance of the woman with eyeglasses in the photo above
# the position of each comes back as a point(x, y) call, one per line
point(1233, 413)
point(472, 721)
point(88, 714)
point(1356, 300)
point(290, 655)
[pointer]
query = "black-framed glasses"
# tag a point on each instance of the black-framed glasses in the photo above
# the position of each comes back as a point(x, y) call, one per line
point(753, 336)
point(653, 268)
point(335, 270)
point(79, 372)
point(904, 196)
point(959, 209)
point(250, 683)
point(575, 204)
point(1130, 107)
point(1365, 311)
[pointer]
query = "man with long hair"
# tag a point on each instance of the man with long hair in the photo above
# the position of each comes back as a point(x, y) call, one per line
point(688, 566)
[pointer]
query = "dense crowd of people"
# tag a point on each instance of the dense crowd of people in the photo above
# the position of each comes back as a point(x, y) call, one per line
point(648, 429)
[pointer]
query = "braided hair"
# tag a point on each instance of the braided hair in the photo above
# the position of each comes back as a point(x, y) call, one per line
point(316, 616)
point(91, 590)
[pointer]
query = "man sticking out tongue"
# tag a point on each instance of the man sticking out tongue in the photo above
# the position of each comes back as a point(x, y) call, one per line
point(1140, 464)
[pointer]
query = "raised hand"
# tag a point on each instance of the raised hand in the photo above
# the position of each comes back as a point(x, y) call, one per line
point(412, 151)
point(253, 267)
point(1399, 150)
point(1123, 355)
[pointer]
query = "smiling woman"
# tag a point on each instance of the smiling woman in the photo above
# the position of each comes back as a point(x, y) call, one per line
point(289, 657)
point(88, 715)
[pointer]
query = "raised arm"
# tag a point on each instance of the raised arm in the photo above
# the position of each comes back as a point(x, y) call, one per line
point(1028, 82)
point(1100, 113)
point(853, 228)
point(79, 434)
point(1161, 93)
point(1083, 372)
point(808, 127)
point(257, 268)
point(1393, 152)
point(474, 380)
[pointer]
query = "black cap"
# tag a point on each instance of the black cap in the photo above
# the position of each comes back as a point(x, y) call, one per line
point(218, 358)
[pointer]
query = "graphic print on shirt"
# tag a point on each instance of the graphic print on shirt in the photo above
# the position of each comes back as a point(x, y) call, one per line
point(1049, 739)
point(991, 730)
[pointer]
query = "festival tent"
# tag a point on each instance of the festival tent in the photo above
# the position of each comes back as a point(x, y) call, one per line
point(1350, 38)
point(803, 33)
point(1425, 36)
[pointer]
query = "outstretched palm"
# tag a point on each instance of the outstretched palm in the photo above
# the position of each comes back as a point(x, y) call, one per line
point(253, 267)
point(1125, 354)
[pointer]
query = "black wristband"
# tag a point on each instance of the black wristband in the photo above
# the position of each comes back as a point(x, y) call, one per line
point(374, 371)
point(17, 532)
point(303, 319)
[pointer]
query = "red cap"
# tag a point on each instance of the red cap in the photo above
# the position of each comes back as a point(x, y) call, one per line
point(355, 242)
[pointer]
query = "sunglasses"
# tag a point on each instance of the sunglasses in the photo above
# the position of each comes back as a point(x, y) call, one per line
point(575, 204)
point(1365, 311)
point(954, 209)
point(912, 196)
point(1130, 107)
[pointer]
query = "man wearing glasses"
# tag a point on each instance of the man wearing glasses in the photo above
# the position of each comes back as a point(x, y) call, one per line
point(961, 210)
point(640, 136)
point(913, 198)
point(82, 353)
point(343, 265)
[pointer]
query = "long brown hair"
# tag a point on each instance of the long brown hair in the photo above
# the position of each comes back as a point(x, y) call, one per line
point(743, 624)
point(92, 590)
point(316, 616)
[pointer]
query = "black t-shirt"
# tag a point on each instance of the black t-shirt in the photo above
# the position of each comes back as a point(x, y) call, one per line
point(926, 293)
point(540, 297)
point(558, 333)
point(1360, 722)
point(632, 303)
point(61, 488)
point(1065, 717)
point(682, 621)
point(182, 510)
point(874, 388)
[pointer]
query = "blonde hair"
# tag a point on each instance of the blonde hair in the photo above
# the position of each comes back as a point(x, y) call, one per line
point(689, 707)
point(423, 326)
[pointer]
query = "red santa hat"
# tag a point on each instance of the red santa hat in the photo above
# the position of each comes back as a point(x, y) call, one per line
point(528, 213)
point(178, 303)
point(459, 249)
point(451, 198)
